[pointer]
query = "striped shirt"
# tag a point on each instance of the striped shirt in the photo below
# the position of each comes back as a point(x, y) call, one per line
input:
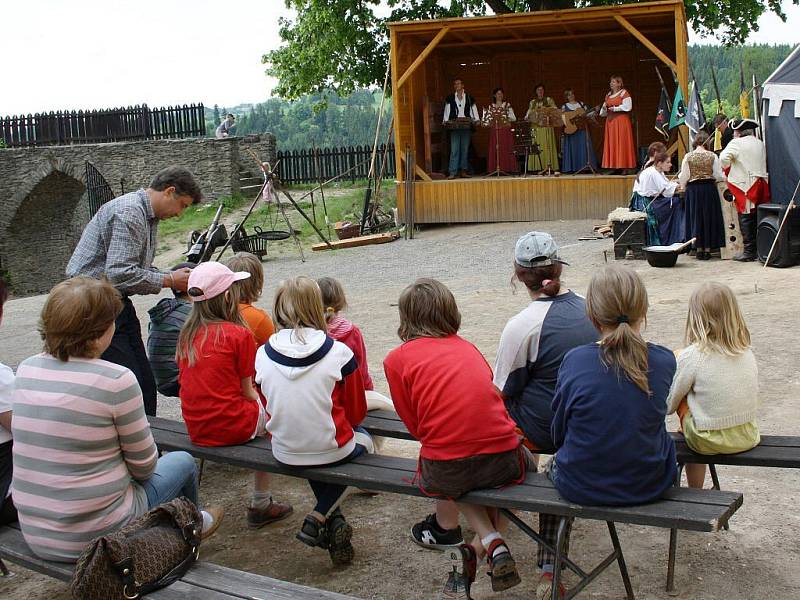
point(120, 243)
point(81, 438)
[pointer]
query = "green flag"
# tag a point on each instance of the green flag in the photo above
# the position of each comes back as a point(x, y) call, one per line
point(678, 116)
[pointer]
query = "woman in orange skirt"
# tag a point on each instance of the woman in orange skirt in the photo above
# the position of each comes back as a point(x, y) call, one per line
point(619, 151)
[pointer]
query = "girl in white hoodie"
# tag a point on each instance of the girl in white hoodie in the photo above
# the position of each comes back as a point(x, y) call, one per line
point(315, 399)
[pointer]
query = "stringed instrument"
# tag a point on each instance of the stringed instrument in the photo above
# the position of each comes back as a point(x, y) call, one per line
point(576, 119)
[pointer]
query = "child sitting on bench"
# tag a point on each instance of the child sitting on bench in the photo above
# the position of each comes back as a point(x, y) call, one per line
point(315, 399)
point(216, 357)
point(715, 390)
point(248, 291)
point(612, 444)
point(442, 389)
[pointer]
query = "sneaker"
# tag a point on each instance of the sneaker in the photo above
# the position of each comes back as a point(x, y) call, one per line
point(463, 556)
point(502, 567)
point(313, 533)
point(339, 534)
point(544, 590)
point(216, 512)
point(428, 534)
point(258, 517)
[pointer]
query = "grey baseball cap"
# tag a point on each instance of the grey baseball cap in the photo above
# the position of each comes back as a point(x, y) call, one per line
point(537, 249)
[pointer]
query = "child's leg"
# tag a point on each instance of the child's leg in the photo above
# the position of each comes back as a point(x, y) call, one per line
point(263, 510)
point(548, 530)
point(503, 568)
point(328, 496)
point(447, 514)
point(695, 473)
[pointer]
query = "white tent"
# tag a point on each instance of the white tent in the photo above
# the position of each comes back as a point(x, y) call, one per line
point(781, 119)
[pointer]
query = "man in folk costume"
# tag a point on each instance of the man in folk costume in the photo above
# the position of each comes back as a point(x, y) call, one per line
point(744, 160)
point(459, 105)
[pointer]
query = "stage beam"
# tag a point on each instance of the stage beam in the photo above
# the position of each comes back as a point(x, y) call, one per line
point(545, 38)
point(682, 71)
point(422, 56)
point(647, 43)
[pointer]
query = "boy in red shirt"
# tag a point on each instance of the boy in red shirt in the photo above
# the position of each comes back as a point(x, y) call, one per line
point(442, 389)
point(216, 361)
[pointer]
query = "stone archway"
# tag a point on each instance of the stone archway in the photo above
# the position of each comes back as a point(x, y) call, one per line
point(43, 233)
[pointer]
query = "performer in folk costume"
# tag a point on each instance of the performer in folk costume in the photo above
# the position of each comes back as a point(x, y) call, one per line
point(650, 185)
point(459, 105)
point(745, 161)
point(574, 146)
point(700, 173)
point(544, 136)
point(619, 151)
point(498, 117)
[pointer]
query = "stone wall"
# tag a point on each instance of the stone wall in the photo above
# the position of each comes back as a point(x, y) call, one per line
point(44, 205)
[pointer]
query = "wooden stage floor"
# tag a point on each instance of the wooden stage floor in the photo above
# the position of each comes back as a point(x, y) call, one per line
point(532, 198)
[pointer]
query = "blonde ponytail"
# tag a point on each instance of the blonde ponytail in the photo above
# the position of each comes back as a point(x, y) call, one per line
point(615, 301)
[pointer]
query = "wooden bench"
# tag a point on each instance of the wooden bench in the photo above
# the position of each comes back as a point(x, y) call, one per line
point(681, 508)
point(773, 451)
point(204, 581)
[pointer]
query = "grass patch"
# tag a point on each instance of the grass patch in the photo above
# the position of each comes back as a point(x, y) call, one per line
point(197, 217)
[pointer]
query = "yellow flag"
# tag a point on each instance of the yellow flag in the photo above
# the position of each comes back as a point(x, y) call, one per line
point(744, 105)
point(717, 140)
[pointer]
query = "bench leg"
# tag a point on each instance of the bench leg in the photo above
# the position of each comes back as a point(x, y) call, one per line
point(673, 550)
point(712, 469)
point(4, 569)
point(623, 569)
point(562, 531)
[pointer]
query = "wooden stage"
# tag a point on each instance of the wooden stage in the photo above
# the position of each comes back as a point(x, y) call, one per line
point(532, 198)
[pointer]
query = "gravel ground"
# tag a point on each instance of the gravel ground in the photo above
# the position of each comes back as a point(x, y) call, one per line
point(756, 559)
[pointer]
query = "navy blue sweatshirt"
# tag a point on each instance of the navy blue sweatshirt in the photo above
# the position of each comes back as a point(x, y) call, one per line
point(612, 441)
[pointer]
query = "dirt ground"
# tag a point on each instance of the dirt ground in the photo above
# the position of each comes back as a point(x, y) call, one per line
point(757, 559)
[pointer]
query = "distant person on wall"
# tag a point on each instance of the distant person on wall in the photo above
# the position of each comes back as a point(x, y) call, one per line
point(460, 113)
point(745, 162)
point(119, 243)
point(619, 152)
point(227, 128)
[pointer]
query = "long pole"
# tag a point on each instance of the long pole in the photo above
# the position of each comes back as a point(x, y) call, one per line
point(789, 208)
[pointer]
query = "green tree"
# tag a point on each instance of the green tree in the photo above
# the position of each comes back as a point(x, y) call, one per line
point(342, 45)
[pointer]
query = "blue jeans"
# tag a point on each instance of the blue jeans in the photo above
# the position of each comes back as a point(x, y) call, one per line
point(459, 150)
point(328, 494)
point(175, 476)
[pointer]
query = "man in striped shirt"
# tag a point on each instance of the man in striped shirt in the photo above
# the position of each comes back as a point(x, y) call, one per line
point(120, 244)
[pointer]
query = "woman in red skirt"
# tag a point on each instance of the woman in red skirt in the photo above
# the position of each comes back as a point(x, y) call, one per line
point(619, 152)
point(498, 118)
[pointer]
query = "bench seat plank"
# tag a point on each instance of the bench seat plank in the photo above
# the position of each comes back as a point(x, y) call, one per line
point(14, 548)
point(682, 508)
point(242, 584)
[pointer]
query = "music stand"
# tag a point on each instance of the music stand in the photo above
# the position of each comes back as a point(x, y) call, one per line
point(497, 119)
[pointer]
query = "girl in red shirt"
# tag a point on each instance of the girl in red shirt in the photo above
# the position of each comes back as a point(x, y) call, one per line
point(442, 388)
point(216, 360)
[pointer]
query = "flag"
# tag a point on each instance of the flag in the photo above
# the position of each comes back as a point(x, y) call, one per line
point(717, 140)
point(662, 116)
point(678, 115)
point(744, 100)
point(695, 117)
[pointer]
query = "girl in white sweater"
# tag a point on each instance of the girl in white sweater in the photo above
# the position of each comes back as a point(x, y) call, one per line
point(715, 390)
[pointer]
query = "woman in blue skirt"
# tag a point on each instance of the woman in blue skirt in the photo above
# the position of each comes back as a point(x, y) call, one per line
point(576, 148)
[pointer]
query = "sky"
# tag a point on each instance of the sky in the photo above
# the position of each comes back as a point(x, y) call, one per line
point(85, 54)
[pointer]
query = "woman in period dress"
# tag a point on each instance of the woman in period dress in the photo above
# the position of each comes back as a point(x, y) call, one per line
point(576, 148)
point(700, 173)
point(619, 151)
point(652, 185)
point(545, 137)
point(498, 118)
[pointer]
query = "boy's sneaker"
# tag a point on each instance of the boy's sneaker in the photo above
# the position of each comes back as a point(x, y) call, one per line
point(428, 534)
point(503, 568)
point(313, 533)
point(544, 591)
point(339, 534)
point(258, 517)
point(463, 557)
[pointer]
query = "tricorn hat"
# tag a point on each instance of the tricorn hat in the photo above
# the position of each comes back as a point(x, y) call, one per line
point(744, 124)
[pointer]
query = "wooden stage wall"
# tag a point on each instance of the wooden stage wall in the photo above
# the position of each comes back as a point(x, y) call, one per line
point(488, 200)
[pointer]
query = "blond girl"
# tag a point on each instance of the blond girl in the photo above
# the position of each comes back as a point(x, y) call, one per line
point(216, 357)
point(315, 399)
point(715, 390)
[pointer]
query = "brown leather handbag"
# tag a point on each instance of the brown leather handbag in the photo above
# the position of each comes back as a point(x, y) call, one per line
point(149, 553)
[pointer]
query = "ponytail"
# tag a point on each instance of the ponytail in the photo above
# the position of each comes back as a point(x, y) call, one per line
point(615, 301)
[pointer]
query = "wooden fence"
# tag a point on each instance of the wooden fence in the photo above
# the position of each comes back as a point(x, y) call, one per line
point(97, 126)
point(321, 164)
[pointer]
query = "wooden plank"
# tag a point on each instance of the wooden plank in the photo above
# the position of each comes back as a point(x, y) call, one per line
point(14, 549)
point(180, 590)
point(239, 584)
point(646, 42)
point(362, 240)
point(422, 56)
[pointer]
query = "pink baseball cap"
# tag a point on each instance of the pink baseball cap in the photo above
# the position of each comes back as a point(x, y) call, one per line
point(212, 279)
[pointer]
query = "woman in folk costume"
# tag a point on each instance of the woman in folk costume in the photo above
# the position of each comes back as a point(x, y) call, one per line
point(700, 173)
point(545, 137)
point(498, 117)
point(619, 151)
point(576, 148)
point(650, 185)
point(744, 160)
